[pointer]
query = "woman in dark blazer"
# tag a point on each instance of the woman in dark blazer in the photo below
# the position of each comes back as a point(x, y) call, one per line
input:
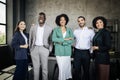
point(101, 46)
point(20, 45)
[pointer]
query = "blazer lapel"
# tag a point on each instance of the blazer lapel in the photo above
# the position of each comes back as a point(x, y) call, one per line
point(21, 38)
point(60, 32)
point(98, 34)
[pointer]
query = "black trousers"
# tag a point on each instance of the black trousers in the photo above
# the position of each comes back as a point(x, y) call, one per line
point(81, 59)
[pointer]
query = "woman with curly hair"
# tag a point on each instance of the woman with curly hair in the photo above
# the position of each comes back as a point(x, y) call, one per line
point(101, 46)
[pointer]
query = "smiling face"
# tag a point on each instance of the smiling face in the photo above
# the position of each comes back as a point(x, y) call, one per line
point(99, 24)
point(62, 21)
point(81, 22)
point(22, 26)
point(41, 19)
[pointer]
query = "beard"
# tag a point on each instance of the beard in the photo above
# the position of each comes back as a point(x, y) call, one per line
point(82, 25)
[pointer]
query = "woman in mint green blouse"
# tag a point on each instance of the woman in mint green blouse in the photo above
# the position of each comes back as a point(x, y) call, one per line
point(62, 38)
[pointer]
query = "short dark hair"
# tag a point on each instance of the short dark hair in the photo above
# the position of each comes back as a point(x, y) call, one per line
point(99, 18)
point(81, 17)
point(42, 13)
point(57, 21)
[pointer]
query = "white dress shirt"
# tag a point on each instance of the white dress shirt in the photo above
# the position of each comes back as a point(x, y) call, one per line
point(39, 36)
point(83, 37)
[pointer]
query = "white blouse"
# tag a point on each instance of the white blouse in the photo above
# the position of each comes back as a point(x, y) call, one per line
point(64, 34)
point(24, 37)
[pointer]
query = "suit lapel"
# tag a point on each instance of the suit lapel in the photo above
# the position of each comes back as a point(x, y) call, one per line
point(45, 32)
point(35, 32)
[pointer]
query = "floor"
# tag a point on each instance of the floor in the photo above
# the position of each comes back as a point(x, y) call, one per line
point(7, 73)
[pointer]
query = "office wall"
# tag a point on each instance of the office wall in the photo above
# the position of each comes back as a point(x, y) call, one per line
point(30, 9)
point(73, 8)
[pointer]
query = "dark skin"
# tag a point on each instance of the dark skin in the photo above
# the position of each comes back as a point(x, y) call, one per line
point(41, 20)
point(62, 25)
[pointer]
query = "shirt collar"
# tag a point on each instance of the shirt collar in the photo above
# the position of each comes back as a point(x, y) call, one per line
point(42, 26)
point(85, 27)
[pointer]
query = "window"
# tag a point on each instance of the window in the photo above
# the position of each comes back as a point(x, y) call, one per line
point(2, 21)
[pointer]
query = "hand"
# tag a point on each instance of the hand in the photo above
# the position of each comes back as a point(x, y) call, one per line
point(24, 46)
point(95, 48)
point(68, 38)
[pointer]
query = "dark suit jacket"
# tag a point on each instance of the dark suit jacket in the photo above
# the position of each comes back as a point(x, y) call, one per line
point(102, 39)
point(20, 53)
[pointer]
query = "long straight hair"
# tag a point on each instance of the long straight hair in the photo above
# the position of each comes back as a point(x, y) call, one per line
point(17, 26)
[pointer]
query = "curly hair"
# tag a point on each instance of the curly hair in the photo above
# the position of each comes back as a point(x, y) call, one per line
point(57, 21)
point(99, 18)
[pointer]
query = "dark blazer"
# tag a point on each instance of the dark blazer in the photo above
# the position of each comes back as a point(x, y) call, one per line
point(20, 53)
point(102, 39)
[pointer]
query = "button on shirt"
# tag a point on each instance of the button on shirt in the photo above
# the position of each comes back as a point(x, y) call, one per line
point(83, 37)
point(39, 36)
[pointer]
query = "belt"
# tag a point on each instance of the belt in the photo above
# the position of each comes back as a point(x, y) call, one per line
point(42, 46)
point(39, 45)
point(82, 49)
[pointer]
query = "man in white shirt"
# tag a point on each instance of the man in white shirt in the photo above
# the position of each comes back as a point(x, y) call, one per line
point(40, 44)
point(83, 40)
